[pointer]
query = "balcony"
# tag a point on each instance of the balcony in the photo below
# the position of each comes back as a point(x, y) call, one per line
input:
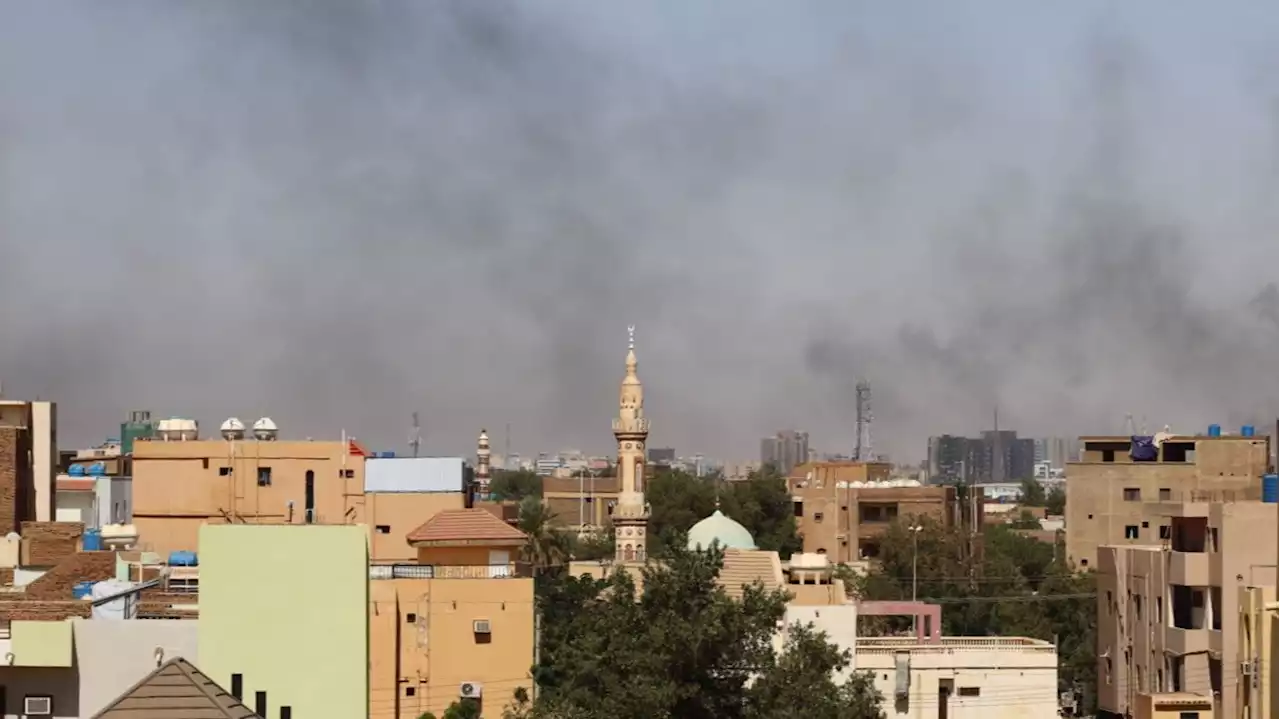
point(1189, 569)
point(1185, 641)
point(631, 426)
point(514, 570)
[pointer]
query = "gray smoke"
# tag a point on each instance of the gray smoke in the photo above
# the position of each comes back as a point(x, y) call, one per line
point(338, 213)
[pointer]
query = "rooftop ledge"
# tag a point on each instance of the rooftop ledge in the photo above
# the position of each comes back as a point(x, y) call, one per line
point(515, 570)
point(952, 644)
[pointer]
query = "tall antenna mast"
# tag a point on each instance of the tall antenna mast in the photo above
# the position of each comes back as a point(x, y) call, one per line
point(415, 435)
point(862, 444)
point(506, 446)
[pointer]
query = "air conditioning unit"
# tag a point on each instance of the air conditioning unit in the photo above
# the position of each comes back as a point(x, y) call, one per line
point(470, 690)
point(481, 626)
point(38, 706)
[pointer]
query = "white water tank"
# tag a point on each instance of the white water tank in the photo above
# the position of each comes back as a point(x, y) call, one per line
point(178, 429)
point(232, 428)
point(119, 536)
point(265, 430)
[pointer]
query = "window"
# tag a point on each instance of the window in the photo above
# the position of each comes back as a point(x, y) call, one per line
point(410, 618)
point(1146, 525)
point(383, 529)
point(237, 686)
point(37, 705)
point(1166, 494)
point(798, 508)
point(1131, 531)
point(348, 473)
point(1132, 494)
point(1137, 608)
point(224, 471)
point(1090, 516)
point(817, 516)
point(970, 691)
point(1188, 715)
point(1160, 611)
point(204, 463)
point(1084, 562)
point(410, 691)
point(1108, 455)
point(1165, 531)
point(264, 476)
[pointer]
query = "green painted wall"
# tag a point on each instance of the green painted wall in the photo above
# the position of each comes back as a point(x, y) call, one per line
point(286, 606)
point(41, 643)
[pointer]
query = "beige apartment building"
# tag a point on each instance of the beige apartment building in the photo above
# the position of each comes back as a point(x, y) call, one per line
point(1168, 619)
point(1106, 489)
point(1258, 691)
point(28, 462)
point(844, 508)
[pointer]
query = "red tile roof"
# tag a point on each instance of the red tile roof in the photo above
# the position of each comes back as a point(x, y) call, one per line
point(466, 526)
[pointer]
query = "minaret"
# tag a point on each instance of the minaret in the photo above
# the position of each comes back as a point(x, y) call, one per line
point(482, 465)
point(631, 514)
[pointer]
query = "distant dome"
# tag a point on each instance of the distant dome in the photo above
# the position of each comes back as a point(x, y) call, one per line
point(719, 528)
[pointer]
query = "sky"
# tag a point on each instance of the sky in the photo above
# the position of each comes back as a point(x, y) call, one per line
point(339, 213)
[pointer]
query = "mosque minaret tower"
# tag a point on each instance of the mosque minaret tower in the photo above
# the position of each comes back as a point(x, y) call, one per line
point(631, 514)
point(482, 465)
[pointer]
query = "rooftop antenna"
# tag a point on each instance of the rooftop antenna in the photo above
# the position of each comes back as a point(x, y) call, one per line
point(506, 444)
point(415, 435)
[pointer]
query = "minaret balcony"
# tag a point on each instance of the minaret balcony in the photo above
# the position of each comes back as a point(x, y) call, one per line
point(638, 425)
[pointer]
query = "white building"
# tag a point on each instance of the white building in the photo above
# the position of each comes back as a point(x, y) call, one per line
point(974, 677)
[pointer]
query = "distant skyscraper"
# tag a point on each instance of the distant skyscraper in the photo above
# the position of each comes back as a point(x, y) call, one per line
point(785, 450)
point(1054, 450)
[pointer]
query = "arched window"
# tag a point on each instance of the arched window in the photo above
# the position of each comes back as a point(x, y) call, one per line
point(629, 553)
point(640, 475)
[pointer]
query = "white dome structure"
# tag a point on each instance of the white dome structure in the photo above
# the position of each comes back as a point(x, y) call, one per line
point(719, 529)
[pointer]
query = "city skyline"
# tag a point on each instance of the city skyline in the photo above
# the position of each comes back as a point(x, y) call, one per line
point(340, 218)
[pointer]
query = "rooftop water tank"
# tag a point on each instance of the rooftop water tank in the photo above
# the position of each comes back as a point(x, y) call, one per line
point(178, 429)
point(119, 536)
point(232, 428)
point(1271, 489)
point(76, 470)
point(183, 559)
point(1246, 431)
point(82, 590)
point(97, 469)
point(92, 540)
point(1215, 430)
point(265, 430)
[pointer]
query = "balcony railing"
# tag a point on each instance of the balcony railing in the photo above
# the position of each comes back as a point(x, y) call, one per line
point(514, 570)
point(952, 644)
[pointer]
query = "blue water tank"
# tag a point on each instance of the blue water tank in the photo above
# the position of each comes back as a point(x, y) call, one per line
point(1246, 431)
point(387, 455)
point(82, 590)
point(1271, 489)
point(76, 470)
point(183, 558)
point(97, 469)
point(92, 540)
point(1215, 430)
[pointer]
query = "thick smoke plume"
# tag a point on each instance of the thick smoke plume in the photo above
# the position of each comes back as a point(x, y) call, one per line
point(339, 213)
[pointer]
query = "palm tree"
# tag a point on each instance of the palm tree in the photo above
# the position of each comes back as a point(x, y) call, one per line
point(545, 547)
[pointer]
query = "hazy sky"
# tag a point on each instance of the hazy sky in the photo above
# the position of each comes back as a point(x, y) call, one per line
point(339, 213)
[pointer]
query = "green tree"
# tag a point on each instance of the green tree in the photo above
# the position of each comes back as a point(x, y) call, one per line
point(762, 504)
point(514, 485)
point(1032, 493)
point(463, 709)
point(599, 545)
point(1025, 520)
point(1010, 584)
point(546, 547)
point(1056, 501)
point(683, 648)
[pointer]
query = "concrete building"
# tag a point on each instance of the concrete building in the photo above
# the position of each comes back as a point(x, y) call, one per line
point(1106, 489)
point(1168, 619)
point(179, 486)
point(785, 450)
point(843, 508)
point(456, 623)
point(399, 493)
point(585, 501)
point(28, 462)
point(962, 677)
point(1258, 691)
point(73, 667)
point(284, 611)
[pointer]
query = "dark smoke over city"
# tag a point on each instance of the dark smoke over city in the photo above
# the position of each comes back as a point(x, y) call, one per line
point(340, 213)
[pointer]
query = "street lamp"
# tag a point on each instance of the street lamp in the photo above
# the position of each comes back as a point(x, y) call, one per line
point(915, 530)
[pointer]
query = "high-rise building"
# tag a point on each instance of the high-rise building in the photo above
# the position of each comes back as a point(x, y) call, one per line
point(785, 450)
point(1053, 450)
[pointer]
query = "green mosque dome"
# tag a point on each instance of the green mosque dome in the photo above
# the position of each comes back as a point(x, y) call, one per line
point(719, 528)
